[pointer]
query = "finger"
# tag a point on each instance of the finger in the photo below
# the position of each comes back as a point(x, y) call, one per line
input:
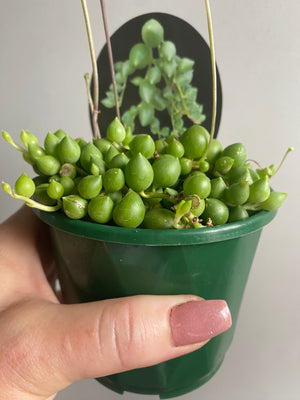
point(24, 250)
point(72, 342)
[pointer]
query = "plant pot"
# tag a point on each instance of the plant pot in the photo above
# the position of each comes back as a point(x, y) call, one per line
point(99, 262)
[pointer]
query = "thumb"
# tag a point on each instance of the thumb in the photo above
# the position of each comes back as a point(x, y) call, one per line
point(73, 342)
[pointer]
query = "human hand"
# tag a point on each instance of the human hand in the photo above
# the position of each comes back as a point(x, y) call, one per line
point(45, 346)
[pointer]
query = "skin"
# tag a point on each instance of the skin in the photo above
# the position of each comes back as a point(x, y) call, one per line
point(46, 345)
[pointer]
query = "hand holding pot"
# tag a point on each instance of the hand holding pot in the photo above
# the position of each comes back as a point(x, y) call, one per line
point(45, 345)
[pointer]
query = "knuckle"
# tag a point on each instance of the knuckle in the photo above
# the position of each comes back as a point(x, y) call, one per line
point(123, 334)
point(126, 334)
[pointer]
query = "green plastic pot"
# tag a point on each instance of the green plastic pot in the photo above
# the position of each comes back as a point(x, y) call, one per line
point(99, 262)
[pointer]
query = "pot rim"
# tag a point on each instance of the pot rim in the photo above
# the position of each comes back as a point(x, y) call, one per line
point(156, 237)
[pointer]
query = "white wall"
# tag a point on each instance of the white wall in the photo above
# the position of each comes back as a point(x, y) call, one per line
point(44, 54)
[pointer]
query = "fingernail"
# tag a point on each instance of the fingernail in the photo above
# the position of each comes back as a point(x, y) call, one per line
point(197, 321)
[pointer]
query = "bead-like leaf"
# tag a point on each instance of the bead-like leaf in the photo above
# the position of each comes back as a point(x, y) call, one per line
point(190, 93)
point(137, 80)
point(155, 125)
point(146, 114)
point(167, 92)
point(158, 101)
point(184, 78)
point(168, 50)
point(118, 66)
point(109, 103)
point(127, 69)
point(140, 56)
point(185, 64)
point(154, 75)
point(127, 118)
point(146, 91)
point(169, 68)
point(165, 131)
point(196, 112)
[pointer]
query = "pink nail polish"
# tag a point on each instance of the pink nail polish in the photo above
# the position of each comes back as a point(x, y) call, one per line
point(197, 321)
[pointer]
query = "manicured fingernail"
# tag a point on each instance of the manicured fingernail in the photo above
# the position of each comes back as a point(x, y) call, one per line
point(197, 321)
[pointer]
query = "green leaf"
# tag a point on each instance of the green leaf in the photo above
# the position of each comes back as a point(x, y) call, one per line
point(146, 114)
point(127, 69)
point(190, 93)
point(153, 75)
point(192, 104)
point(165, 131)
point(178, 122)
point(168, 50)
point(160, 63)
point(158, 101)
point(146, 91)
point(109, 103)
point(133, 110)
point(137, 80)
point(169, 68)
point(7, 188)
point(177, 96)
point(184, 78)
point(110, 95)
point(118, 66)
point(119, 77)
point(167, 92)
point(196, 113)
point(155, 126)
point(119, 87)
point(201, 119)
point(181, 131)
point(128, 118)
point(140, 56)
point(185, 64)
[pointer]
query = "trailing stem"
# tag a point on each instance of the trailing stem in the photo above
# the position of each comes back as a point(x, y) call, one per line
point(93, 103)
point(110, 57)
point(214, 74)
point(30, 202)
point(283, 159)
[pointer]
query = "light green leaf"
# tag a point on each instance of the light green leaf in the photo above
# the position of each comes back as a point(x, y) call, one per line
point(169, 68)
point(127, 69)
point(168, 50)
point(184, 78)
point(146, 114)
point(167, 92)
point(155, 125)
point(153, 75)
point(165, 131)
point(137, 80)
point(185, 64)
point(158, 101)
point(109, 103)
point(146, 91)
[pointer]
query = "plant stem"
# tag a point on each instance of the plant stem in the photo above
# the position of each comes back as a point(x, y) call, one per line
point(213, 66)
point(110, 57)
point(87, 79)
point(29, 202)
point(157, 195)
point(182, 98)
point(94, 108)
point(9, 139)
point(283, 159)
point(122, 92)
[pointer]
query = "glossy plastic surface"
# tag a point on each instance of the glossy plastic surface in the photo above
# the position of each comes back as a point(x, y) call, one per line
point(213, 263)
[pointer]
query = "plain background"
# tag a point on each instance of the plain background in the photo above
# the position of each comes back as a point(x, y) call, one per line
point(44, 55)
